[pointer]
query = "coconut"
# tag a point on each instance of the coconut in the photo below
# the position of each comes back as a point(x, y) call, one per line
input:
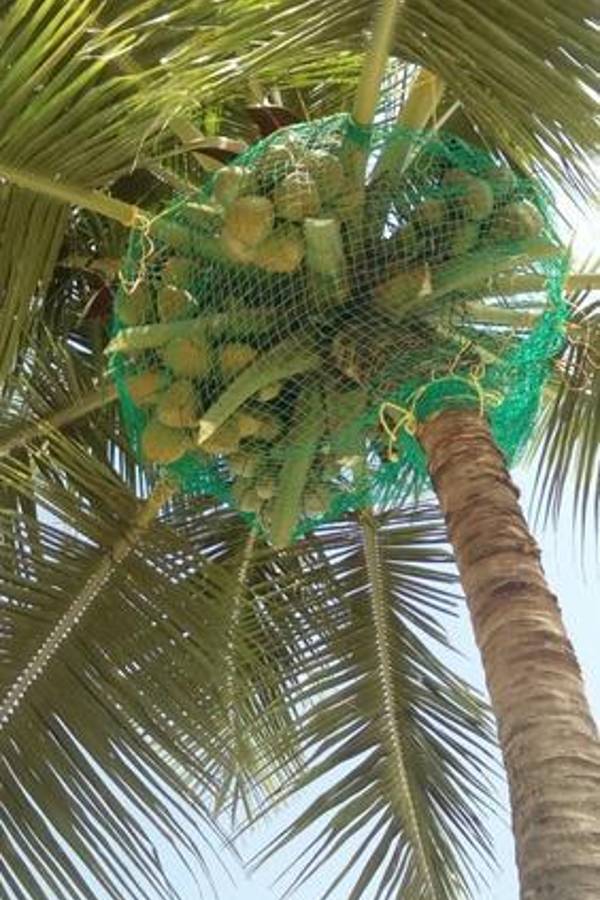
point(407, 242)
point(187, 357)
point(350, 200)
point(282, 251)
point(405, 287)
point(429, 215)
point(247, 423)
point(178, 406)
point(249, 220)
point(237, 251)
point(134, 307)
point(276, 161)
point(243, 463)
point(236, 356)
point(297, 197)
point(474, 195)
point(518, 222)
point(270, 427)
point(224, 440)
point(145, 387)
point(327, 172)
point(161, 444)
point(463, 238)
point(316, 500)
point(173, 303)
point(178, 271)
point(247, 498)
point(265, 487)
point(503, 182)
point(231, 182)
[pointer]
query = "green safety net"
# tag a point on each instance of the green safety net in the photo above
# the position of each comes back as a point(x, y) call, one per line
point(279, 336)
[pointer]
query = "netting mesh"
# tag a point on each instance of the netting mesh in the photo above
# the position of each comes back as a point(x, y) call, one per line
point(277, 345)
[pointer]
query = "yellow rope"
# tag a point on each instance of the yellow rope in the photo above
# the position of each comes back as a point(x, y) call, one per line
point(406, 418)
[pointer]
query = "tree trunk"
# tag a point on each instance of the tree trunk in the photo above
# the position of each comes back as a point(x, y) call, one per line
point(547, 735)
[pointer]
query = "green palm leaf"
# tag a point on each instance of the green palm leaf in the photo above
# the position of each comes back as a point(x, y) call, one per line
point(395, 744)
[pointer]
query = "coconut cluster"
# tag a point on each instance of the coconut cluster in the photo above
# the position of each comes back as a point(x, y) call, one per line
point(265, 356)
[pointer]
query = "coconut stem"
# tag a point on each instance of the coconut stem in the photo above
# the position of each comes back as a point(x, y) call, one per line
point(422, 101)
point(369, 86)
point(100, 574)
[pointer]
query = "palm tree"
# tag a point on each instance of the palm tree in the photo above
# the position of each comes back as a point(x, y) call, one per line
point(162, 663)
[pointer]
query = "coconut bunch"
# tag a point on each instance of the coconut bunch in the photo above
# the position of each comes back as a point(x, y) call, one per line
point(273, 345)
point(468, 229)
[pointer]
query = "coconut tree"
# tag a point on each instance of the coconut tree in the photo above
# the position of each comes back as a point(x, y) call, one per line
point(163, 663)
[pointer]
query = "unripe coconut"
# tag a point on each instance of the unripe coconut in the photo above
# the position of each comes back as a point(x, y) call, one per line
point(178, 406)
point(243, 464)
point(236, 356)
point(178, 271)
point(237, 251)
point(327, 172)
point(134, 307)
point(282, 251)
point(350, 200)
point(518, 222)
point(145, 387)
point(463, 238)
point(503, 182)
point(404, 287)
point(249, 220)
point(187, 357)
point(316, 500)
point(407, 242)
point(474, 195)
point(173, 303)
point(247, 423)
point(224, 440)
point(246, 498)
point(269, 428)
point(296, 197)
point(265, 487)
point(276, 161)
point(231, 182)
point(161, 444)
point(429, 215)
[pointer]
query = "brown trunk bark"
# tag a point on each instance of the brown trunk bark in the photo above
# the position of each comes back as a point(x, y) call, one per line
point(547, 735)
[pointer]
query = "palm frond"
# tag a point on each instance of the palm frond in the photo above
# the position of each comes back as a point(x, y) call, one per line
point(567, 441)
point(395, 744)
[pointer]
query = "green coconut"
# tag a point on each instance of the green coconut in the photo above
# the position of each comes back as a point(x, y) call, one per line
point(296, 197)
point(235, 356)
point(475, 196)
point(187, 357)
point(231, 182)
point(134, 307)
point(173, 303)
point(178, 406)
point(281, 252)
point(518, 222)
point(249, 220)
point(161, 444)
point(327, 172)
